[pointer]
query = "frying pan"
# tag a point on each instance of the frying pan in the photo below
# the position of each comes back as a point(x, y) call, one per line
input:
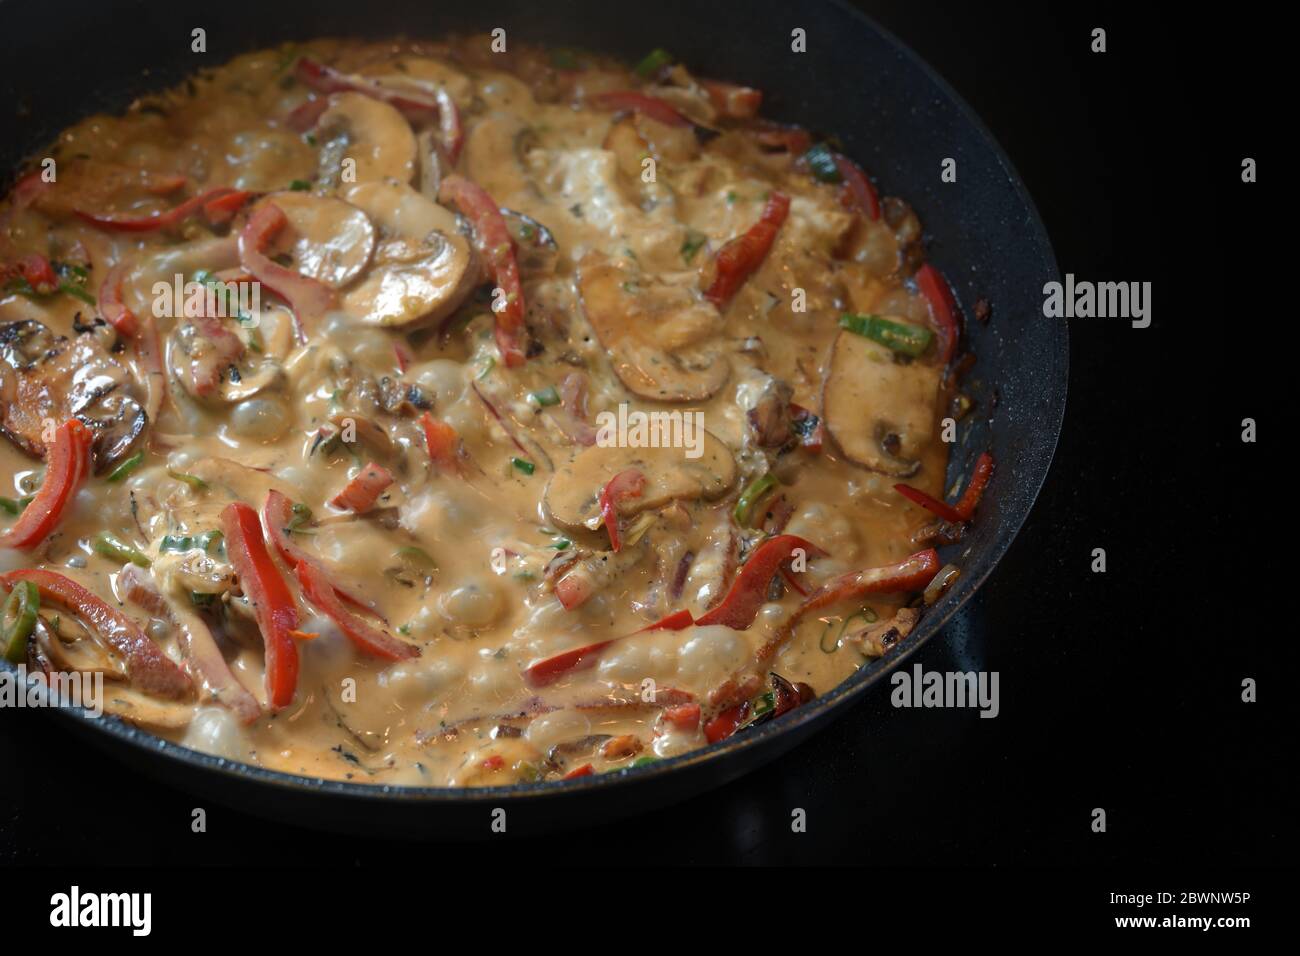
point(892, 113)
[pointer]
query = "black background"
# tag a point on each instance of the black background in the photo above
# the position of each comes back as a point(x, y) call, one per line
point(1118, 690)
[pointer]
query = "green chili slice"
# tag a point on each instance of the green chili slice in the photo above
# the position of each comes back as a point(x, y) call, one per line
point(902, 337)
point(546, 396)
point(524, 465)
point(110, 547)
point(131, 464)
point(751, 496)
point(194, 481)
point(18, 619)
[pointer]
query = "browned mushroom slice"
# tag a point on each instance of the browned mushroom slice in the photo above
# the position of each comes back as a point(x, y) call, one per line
point(881, 412)
point(423, 267)
point(655, 331)
point(875, 639)
point(47, 377)
point(571, 496)
point(373, 135)
point(328, 240)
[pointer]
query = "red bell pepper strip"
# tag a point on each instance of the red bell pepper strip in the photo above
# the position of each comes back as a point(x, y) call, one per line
point(163, 220)
point(945, 511)
point(308, 298)
point(442, 442)
point(913, 573)
point(964, 509)
point(277, 515)
point(551, 669)
point(943, 308)
point(360, 494)
point(732, 100)
point(223, 208)
point(306, 116)
point(649, 106)
point(36, 270)
point(111, 306)
point(273, 603)
point(492, 237)
point(414, 106)
point(319, 590)
point(68, 464)
point(858, 192)
point(749, 591)
point(326, 79)
point(724, 724)
point(148, 667)
point(682, 716)
point(740, 257)
point(979, 480)
point(586, 770)
point(629, 483)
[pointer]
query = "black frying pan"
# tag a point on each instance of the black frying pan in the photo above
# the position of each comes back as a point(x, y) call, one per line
point(892, 113)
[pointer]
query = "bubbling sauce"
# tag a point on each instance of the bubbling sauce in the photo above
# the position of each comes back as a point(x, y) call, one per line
point(362, 334)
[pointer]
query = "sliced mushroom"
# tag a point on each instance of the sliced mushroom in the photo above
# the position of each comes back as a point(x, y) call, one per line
point(875, 639)
point(424, 75)
point(220, 362)
point(881, 412)
point(630, 150)
point(44, 376)
point(328, 240)
point(494, 156)
point(374, 135)
point(571, 496)
point(654, 331)
point(423, 267)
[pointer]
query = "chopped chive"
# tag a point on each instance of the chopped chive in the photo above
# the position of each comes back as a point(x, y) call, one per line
point(564, 60)
point(111, 547)
point(653, 62)
point(15, 506)
point(300, 186)
point(121, 471)
point(524, 465)
point(194, 481)
point(546, 396)
point(753, 493)
point(821, 161)
point(562, 544)
point(72, 289)
point(692, 244)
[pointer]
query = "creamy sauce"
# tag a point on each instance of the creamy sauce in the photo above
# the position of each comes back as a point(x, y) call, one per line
point(462, 712)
